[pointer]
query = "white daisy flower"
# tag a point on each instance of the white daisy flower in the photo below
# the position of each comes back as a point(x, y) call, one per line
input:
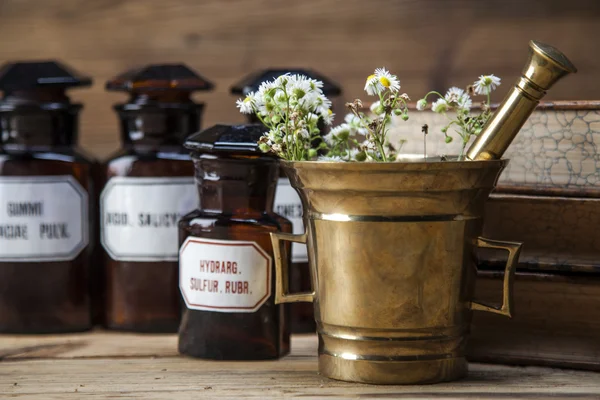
point(340, 131)
point(369, 145)
point(351, 119)
point(465, 102)
point(440, 106)
point(313, 118)
point(376, 108)
point(421, 104)
point(387, 80)
point(329, 158)
point(355, 125)
point(279, 98)
point(303, 133)
point(352, 153)
point(486, 84)
point(328, 117)
point(329, 139)
point(454, 94)
point(372, 85)
point(245, 105)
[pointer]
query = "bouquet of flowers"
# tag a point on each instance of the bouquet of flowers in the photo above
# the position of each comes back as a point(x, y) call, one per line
point(296, 112)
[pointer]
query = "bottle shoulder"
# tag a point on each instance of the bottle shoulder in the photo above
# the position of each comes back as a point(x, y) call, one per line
point(167, 153)
point(66, 154)
point(200, 218)
point(128, 162)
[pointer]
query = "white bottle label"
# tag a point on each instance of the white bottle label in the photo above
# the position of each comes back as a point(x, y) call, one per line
point(287, 204)
point(224, 275)
point(139, 216)
point(42, 218)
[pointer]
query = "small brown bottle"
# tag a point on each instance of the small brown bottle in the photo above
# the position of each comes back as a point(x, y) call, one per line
point(287, 202)
point(226, 268)
point(149, 186)
point(46, 202)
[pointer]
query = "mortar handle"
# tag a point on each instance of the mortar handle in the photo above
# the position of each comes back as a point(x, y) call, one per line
point(282, 270)
point(514, 249)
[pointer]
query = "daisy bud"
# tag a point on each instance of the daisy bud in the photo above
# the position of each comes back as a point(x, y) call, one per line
point(312, 153)
point(404, 117)
point(275, 119)
point(264, 147)
point(448, 139)
point(360, 156)
point(421, 104)
point(299, 93)
point(398, 111)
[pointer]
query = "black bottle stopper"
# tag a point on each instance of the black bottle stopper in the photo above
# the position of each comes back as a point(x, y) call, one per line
point(160, 109)
point(34, 101)
point(226, 138)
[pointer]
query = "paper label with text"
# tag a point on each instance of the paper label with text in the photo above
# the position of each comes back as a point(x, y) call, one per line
point(42, 218)
point(224, 275)
point(288, 205)
point(139, 216)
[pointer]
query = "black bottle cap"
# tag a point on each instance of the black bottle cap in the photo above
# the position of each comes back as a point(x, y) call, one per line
point(227, 138)
point(24, 76)
point(160, 77)
point(252, 82)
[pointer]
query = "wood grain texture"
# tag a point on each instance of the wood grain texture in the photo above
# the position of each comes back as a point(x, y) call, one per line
point(94, 372)
point(429, 43)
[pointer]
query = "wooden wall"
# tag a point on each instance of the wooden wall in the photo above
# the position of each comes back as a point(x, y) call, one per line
point(428, 43)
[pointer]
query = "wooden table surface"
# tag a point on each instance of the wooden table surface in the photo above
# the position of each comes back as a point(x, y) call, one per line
point(103, 365)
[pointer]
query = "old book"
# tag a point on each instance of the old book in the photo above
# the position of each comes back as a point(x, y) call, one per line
point(556, 323)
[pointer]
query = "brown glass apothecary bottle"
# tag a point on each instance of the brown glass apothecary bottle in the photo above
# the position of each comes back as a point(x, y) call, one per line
point(287, 202)
point(226, 268)
point(46, 202)
point(149, 185)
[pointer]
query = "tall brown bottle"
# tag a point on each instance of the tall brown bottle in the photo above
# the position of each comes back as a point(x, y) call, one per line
point(46, 202)
point(226, 268)
point(149, 186)
point(287, 201)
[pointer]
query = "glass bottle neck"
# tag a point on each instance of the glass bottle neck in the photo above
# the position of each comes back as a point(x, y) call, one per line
point(151, 121)
point(31, 126)
point(236, 185)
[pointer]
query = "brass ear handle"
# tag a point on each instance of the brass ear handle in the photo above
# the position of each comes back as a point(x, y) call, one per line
point(282, 268)
point(514, 249)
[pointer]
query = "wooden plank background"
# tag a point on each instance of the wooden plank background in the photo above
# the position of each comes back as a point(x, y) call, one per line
point(428, 43)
